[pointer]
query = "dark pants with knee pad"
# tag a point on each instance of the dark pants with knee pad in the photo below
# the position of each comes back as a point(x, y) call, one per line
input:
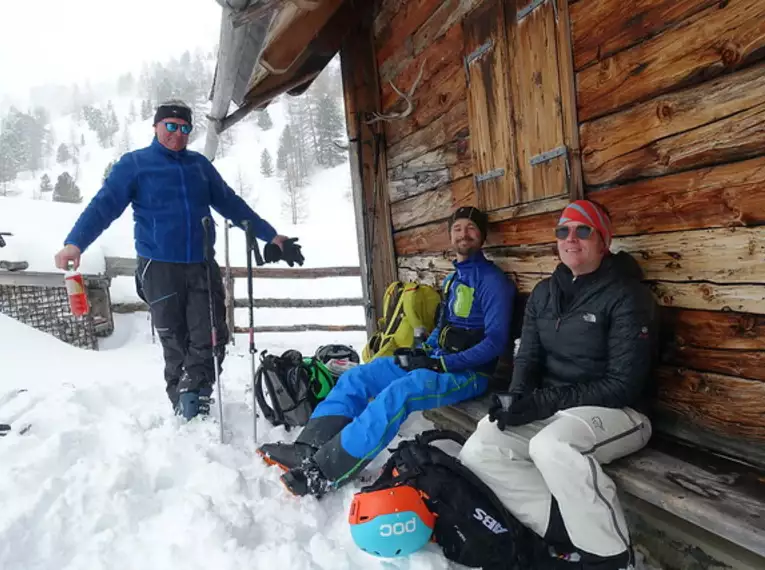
point(177, 295)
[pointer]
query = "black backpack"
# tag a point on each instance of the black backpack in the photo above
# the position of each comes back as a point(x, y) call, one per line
point(295, 386)
point(472, 525)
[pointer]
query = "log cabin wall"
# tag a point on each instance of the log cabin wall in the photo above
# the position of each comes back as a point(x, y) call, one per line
point(665, 99)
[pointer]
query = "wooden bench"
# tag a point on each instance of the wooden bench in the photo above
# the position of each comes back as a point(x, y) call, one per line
point(721, 496)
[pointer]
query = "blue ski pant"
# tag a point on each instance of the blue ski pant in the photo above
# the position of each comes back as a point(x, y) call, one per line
point(394, 394)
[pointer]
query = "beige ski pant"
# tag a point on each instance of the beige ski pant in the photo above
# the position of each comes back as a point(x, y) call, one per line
point(561, 457)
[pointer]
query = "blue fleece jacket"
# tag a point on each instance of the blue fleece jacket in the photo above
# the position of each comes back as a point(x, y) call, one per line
point(480, 297)
point(171, 191)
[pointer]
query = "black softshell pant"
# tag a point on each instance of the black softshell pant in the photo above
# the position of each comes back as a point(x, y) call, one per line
point(177, 297)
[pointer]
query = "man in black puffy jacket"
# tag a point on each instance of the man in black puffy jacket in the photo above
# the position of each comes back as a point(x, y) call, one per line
point(577, 397)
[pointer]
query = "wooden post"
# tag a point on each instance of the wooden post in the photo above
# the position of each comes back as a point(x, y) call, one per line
point(368, 167)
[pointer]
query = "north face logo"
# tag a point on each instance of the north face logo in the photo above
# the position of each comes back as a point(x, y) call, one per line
point(489, 522)
point(590, 318)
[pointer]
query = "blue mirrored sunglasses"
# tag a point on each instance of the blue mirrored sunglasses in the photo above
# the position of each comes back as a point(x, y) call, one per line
point(581, 232)
point(172, 127)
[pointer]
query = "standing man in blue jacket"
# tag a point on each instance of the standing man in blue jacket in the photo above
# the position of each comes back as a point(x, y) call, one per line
point(172, 189)
point(347, 431)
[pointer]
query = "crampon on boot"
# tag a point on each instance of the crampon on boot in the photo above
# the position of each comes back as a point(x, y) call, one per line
point(286, 456)
point(306, 480)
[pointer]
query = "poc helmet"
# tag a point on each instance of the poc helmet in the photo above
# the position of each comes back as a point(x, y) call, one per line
point(391, 522)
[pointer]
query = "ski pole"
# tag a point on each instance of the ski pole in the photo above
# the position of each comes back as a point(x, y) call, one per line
point(252, 246)
point(206, 221)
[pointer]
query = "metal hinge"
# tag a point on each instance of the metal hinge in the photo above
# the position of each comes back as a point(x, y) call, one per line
point(490, 175)
point(477, 53)
point(547, 156)
point(529, 8)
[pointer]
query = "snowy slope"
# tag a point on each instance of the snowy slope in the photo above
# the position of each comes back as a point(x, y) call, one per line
point(106, 477)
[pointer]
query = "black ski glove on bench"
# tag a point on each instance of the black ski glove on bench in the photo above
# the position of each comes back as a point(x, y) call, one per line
point(289, 252)
point(413, 358)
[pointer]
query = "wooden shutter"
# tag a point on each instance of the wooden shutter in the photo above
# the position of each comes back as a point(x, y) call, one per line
point(489, 106)
point(521, 102)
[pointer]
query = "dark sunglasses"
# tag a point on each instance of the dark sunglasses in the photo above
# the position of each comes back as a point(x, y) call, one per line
point(172, 127)
point(581, 232)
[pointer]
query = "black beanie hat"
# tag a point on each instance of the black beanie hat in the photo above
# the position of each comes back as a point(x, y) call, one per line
point(473, 214)
point(176, 109)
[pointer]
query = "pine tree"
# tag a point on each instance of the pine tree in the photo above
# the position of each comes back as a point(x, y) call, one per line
point(111, 124)
point(225, 142)
point(264, 120)
point(243, 187)
point(125, 142)
point(45, 185)
point(329, 126)
point(288, 162)
point(132, 114)
point(266, 165)
point(66, 190)
point(9, 166)
point(62, 154)
point(146, 110)
point(107, 171)
point(82, 143)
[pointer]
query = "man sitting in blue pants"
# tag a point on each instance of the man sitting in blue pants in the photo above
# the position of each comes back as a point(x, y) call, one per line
point(365, 410)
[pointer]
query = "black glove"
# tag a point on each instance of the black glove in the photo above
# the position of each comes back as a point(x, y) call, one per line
point(289, 252)
point(508, 409)
point(414, 358)
point(272, 253)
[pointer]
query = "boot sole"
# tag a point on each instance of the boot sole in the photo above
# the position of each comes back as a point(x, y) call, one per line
point(267, 459)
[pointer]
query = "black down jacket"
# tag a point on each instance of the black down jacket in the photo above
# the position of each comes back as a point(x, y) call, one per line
point(589, 341)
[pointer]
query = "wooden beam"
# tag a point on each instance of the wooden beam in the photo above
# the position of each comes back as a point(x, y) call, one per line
point(646, 139)
point(718, 40)
point(748, 364)
point(282, 52)
point(601, 28)
point(123, 266)
point(713, 329)
point(434, 205)
point(299, 303)
point(450, 126)
point(299, 328)
point(369, 165)
point(261, 303)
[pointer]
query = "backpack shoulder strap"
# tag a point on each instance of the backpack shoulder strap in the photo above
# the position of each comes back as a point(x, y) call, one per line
point(275, 415)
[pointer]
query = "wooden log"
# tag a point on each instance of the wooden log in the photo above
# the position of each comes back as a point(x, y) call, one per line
point(443, 19)
point(295, 273)
point(431, 170)
point(723, 404)
point(443, 54)
point(446, 128)
point(299, 328)
point(709, 296)
point(740, 363)
point(410, 16)
point(537, 110)
point(386, 10)
point(713, 329)
point(601, 28)
point(725, 255)
point(493, 139)
point(715, 41)
point(429, 238)
point(299, 303)
point(434, 205)
point(255, 12)
point(735, 138)
point(726, 195)
point(714, 122)
point(527, 209)
point(431, 100)
point(282, 52)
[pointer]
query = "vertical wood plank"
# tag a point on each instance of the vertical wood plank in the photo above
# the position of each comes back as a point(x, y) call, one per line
point(361, 92)
point(490, 106)
point(536, 94)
